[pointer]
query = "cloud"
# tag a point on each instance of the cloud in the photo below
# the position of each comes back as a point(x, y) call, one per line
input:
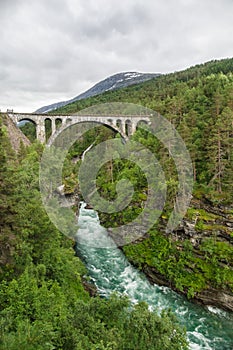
point(54, 50)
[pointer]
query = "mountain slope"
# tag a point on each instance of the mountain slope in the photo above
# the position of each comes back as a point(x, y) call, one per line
point(113, 82)
point(197, 259)
point(16, 136)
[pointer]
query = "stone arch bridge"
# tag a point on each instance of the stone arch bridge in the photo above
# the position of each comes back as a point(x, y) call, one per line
point(124, 124)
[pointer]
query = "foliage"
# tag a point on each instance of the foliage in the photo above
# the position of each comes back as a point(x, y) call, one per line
point(187, 271)
point(29, 129)
point(198, 102)
point(43, 304)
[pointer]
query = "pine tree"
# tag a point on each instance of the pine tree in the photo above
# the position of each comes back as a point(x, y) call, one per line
point(220, 147)
point(7, 208)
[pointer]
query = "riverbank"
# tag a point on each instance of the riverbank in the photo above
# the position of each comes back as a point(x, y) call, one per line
point(111, 272)
point(196, 260)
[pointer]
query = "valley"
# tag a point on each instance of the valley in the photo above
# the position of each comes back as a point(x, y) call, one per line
point(195, 261)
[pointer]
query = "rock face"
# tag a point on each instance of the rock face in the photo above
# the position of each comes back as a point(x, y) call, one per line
point(15, 135)
point(216, 298)
point(210, 296)
point(205, 222)
point(114, 82)
point(67, 200)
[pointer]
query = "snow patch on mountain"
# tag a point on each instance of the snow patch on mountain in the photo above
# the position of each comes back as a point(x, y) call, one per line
point(117, 81)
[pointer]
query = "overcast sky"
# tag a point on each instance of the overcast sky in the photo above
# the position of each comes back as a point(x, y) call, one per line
point(52, 50)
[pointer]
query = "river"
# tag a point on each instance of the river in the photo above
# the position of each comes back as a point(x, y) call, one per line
point(207, 327)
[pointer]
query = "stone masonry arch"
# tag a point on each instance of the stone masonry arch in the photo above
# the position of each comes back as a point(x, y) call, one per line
point(124, 124)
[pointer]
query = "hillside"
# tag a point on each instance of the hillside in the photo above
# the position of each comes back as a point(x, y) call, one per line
point(197, 259)
point(198, 102)
point(16, 136)
point(113, 82)
point(43, 302)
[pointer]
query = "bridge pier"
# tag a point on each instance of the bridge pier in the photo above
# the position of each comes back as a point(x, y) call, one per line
point(40, 131)
point(133, 128)
point(53, 126)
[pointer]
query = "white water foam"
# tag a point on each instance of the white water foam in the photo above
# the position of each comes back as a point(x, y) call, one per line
point(110, 271)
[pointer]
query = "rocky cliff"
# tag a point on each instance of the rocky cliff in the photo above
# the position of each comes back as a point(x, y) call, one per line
point(15, 135)
point(209, 230)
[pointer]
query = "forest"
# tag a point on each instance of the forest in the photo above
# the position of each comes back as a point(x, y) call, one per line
point(43, 302)
point(199, 104)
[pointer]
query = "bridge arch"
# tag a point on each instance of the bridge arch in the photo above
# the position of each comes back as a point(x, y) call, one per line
point(48, 127)
point(119, 124)
point(141, 122)
point(67, 126)
point(28, 127)
point(114, 128)
point(58, 123)
point(128, 127)
point(26, 120)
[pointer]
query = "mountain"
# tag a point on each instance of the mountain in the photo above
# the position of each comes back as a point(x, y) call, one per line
point(113, 82)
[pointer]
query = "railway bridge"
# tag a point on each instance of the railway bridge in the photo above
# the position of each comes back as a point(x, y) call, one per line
point(124, 124)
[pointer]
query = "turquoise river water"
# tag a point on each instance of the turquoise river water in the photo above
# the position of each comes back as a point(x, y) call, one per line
point(207, 327)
